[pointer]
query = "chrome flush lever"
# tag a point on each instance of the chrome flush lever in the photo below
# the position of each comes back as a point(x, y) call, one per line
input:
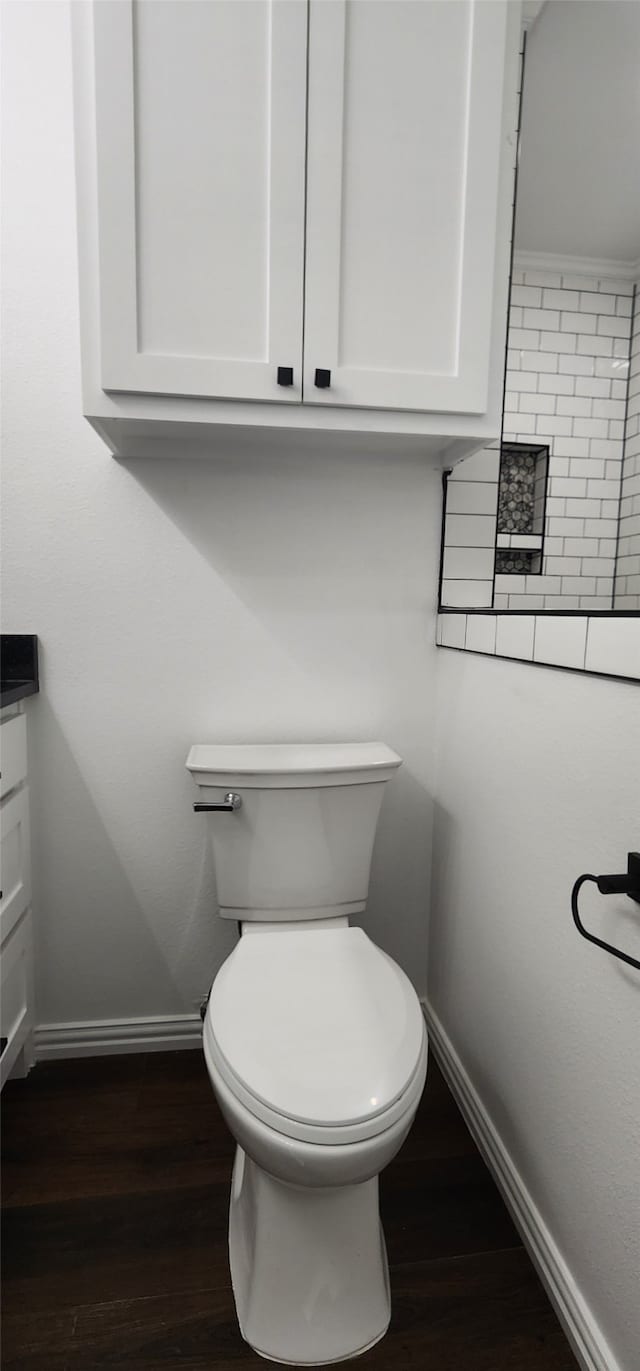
point(231, 801)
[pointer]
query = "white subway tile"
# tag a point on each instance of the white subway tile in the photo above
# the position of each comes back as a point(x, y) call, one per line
point(565, 528)
point(468, 564)
point(563, 566)
point(573, 447)
point(472, 497)
point(578, 585)
point(509, 584)
point(578, 323)
point(526, 423)
point(601, 528)
point(616, 287)
point(551, 426)
point(539, 361)
point(623, 305)
point(528, 601)
point(590, 428)
point(593, 385)
point(598, 566)
point(522, 380)
point(537, 404)
point(557, 342)
point(470, 530)
point(467, 594)
point(597, 302)
point(577, 507)
point(577, 405)
point(605, 448)
point(581, 547)
point(483, 465)
point(555, 384)
point(542, 318)
point(610, 367)
point(613, 646)
point(587, 466)
point(514, 636)
point(561, 485)
point(515, 316)
point(543, 585)
point(591, 345)
point(453, 630)
point(530, 296)
point(614, 326)
point(608, 409)
point(481, 633)
point(523, 338)
point(603, 490)
point(560, 299)
point(560, 641)
point(576, 366)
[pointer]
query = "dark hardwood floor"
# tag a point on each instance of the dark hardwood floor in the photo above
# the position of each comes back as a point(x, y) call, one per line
point(116, 1178)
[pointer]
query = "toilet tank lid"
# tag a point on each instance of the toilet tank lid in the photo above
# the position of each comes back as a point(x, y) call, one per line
point(300, 762)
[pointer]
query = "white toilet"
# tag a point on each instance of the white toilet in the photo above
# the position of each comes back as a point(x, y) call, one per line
point(314, 1041)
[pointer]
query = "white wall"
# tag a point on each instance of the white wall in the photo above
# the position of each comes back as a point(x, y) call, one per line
point(178, 602)
point(580, 114)
point(537, 781)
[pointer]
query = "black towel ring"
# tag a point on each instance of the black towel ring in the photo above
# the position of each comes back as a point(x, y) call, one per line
point(627, 884)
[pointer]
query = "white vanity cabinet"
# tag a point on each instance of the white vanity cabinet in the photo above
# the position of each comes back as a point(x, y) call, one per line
point(16, 955)
point(294, 214)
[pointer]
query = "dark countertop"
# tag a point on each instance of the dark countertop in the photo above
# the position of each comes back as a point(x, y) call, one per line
point(19, 671)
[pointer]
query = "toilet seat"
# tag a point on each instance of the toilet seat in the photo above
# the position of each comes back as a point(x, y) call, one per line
point(317, 1033)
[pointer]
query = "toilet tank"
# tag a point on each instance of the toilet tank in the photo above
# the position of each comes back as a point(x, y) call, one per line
point(299, 844)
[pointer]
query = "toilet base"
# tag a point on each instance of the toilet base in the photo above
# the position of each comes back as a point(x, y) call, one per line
point(308, 1267)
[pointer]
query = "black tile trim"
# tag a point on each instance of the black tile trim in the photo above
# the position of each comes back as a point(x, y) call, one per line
point(548, 666)
point(557, 613)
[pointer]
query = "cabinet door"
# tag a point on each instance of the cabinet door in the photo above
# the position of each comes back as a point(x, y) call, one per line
point(404, 147)
point(200, 128)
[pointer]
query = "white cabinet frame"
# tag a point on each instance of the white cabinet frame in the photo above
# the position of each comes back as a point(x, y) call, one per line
point(124, 366)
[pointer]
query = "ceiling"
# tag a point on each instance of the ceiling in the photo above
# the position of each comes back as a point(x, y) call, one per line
point(579, 174)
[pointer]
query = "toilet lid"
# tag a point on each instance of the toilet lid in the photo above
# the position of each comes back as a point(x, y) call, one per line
point(319, 1025)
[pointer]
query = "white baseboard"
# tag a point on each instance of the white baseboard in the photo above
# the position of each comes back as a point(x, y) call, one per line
point(586, 1337)
point(106, 1037)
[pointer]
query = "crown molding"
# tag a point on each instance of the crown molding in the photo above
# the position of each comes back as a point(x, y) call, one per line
point(608, 268)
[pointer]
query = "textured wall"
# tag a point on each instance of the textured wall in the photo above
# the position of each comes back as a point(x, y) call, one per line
point(537, 781)
point(179, 602)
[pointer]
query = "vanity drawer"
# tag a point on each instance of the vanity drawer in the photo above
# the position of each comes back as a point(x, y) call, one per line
point(13, 753)
point(14, 864)
point(15, 995)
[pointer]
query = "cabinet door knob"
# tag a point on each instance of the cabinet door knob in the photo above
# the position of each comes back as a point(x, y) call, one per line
point(285, 376)
point(322, 378)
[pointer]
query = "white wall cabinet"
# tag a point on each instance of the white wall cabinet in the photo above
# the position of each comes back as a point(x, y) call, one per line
point(304, 205)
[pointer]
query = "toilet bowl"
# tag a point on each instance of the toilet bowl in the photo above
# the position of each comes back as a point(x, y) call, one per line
point(314, 1042)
